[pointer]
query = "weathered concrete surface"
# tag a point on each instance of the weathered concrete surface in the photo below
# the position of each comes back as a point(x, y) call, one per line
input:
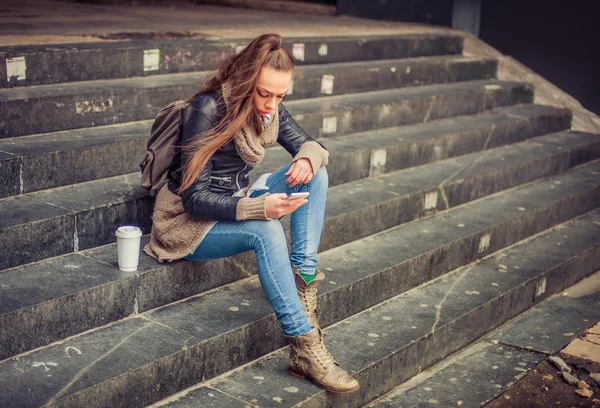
point(99, 207)
point(62, 158)
point(367, 154)
point(76, 22)
point(395, 340)
point(72, 22)
point(77, 105)
point(59, 297)
point(124, 59)
point(549, 327)
point(74, 156)
point(235, 324)
point(10, 167)
point(33, 231)
point(474, 376)
point(546, 92)
point(387, 201)
point(338, 115)
point(482, 371)
point(207, 398)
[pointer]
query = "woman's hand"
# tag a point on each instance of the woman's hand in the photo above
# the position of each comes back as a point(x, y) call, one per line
point(277, 206)
point(300, 172)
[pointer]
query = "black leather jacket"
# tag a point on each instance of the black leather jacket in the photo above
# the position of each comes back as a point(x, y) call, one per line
point(210, 196)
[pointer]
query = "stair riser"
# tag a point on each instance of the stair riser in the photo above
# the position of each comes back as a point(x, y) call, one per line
point(71, 232)
point(108, 106)
point(86, 62)
point(55, 169)
point(409, 111)
point(10, 173)
point(171, 371)
point(398, 367)
point(397, 74)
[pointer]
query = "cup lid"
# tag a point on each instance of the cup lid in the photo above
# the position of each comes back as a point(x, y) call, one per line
point(128, 231)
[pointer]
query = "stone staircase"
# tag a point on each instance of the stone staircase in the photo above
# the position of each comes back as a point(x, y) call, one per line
point(455, 205)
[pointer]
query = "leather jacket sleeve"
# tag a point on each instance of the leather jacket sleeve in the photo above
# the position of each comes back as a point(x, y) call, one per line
point(291, 136)
point(198, 200)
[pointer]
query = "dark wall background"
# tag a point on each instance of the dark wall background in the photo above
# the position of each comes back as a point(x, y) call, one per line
point(559, 40)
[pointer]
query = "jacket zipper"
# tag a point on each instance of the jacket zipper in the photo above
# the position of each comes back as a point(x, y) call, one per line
point(237, 177)
point(221, 180)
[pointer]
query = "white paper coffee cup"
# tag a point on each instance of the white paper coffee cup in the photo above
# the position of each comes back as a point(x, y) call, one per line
point(128, 247)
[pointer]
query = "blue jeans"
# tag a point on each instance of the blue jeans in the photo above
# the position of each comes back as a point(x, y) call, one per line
point(267, 239)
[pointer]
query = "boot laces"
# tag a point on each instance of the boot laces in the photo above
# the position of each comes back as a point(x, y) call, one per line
point(320, 352)
point(311, 294)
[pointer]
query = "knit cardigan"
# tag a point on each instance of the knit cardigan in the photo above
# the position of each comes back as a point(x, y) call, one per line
point(176, 234)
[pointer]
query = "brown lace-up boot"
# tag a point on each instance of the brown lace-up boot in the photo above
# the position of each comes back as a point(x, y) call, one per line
point(309, 358)
point(307, 292)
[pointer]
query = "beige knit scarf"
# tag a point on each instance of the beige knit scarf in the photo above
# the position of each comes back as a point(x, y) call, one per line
point(249, 145)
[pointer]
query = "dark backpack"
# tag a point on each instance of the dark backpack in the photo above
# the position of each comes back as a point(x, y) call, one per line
point(161, 147)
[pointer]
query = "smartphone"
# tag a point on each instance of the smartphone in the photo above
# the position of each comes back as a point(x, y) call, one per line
point(295, 196)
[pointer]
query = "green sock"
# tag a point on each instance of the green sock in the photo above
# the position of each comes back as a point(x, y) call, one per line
point(307, 278)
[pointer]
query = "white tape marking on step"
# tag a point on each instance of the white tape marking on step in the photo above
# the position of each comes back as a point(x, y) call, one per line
point(329, 125)
point(431, 200)
point(323, 50)
point(378, 160)
point(84, 107)
point(298, 51)
point(15, 68)
point(151, 60)
point(484, 243)
point(239, 48)
point(540, 288)
point(327, 84)
point(492, 87)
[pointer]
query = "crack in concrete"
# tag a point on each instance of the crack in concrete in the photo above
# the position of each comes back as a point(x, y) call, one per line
point(83, 370)
point(438, 313)
point(466, 166)
point(232, 396)
point(428, 113)
point(147, 319)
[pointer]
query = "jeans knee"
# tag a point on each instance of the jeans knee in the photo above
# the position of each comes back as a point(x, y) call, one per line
point(269, 234)
point(321, 178)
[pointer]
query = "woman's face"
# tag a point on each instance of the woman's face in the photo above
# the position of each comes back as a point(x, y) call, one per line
point(271, 88)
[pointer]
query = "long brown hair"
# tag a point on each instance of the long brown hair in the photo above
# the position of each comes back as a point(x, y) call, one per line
point(240, 72)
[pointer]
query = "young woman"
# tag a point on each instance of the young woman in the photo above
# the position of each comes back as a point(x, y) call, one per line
point(207, 211)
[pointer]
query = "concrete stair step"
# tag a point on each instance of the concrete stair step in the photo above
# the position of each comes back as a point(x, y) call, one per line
point(48, 108)
point(59, 63)
point(50, 160)
point(395, 340)
point(484, 370)
point(85, 214)
point(72, 302)
point(145, 358)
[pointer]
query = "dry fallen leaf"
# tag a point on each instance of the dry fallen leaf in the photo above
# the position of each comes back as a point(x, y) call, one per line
point(545, 388)
point(584, 393)
point(548, 377)
point(582, 384)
